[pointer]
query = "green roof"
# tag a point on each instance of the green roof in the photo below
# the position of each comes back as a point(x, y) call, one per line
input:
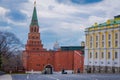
point(72, 48)
point(116, 20)
point(34, 20)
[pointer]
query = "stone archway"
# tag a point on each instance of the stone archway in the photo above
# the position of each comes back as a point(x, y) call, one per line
point(48, 69)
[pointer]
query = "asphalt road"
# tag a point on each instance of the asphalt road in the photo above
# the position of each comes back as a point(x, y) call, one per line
point(66, 77)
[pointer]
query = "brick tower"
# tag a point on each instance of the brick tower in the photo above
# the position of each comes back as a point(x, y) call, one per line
point(34, 41)
point(36, 58)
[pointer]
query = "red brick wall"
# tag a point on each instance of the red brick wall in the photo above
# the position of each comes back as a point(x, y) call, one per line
point(68, 60)
point(38, 60)
point(63, 60)
point(78, 61)
point(24, 59)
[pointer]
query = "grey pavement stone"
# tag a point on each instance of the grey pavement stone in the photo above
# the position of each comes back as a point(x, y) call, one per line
point(5, 77)
point(66, 77)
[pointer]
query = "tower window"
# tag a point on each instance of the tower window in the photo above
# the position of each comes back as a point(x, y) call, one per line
point(37, 48)
point(33, 37)
point(33, 48)
point(31, 29)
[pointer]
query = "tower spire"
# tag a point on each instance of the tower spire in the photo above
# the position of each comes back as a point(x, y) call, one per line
point(34, 20)
point(35, 3)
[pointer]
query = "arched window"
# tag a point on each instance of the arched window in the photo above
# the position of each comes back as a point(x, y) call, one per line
point(102, 37)
point(90, 44)
point(116, 55)
point(31, 29)
point(109, 37)
point(103, 44)
point(91, 38)
point(102, 55)
point(116, 36)
point(96, 44)
point(90, 55)
point(96, 38)
point(36, 29)
point(116, 43)
point(109, 43)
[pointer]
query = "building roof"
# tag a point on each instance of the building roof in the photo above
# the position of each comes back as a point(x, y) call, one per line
point(116, 20)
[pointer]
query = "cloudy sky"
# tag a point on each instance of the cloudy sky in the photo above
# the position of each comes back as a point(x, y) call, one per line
point(59, 20)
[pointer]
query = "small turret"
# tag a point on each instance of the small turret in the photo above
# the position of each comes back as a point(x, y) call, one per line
point(56, 46)
point(82, 43)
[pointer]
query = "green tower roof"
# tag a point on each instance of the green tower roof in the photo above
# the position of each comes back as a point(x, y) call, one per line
point(34, 20)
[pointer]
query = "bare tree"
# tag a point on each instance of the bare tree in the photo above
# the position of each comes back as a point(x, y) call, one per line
point(9, 45)
point(13, 63)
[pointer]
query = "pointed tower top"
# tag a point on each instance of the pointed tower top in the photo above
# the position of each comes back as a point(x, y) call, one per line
point(34, 20)
point(35, 3)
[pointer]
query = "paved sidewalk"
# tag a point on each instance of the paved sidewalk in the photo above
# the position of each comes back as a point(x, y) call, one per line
point(5, 77)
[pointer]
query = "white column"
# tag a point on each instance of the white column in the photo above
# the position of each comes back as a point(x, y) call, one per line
point(105, 60)
point(119, 46)
point(86, 53)
point(99, 49)
point(86, 58)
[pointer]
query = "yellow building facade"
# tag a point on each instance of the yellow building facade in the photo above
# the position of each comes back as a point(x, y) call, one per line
point(102, 48)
